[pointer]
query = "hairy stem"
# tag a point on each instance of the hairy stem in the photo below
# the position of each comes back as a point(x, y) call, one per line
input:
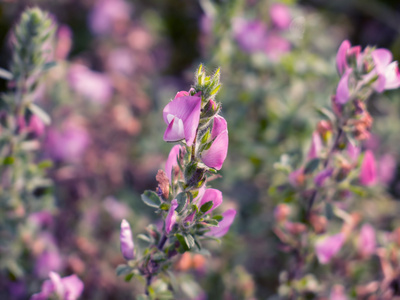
point(160, 246)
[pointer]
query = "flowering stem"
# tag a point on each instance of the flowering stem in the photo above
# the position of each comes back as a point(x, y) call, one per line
point(160, 246)
point(315, 192)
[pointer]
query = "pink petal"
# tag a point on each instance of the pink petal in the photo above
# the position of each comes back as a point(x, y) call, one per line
point(368, 169)
point(337, 293)
point(175, 130)
point(342, 92)
point(57, 284)
point(211, 195)
point(219, 125)
point(353, 151)
point(224, 225)
point(280, 15)
point(382, 58)
point(387, 168)
point(328, 247)
point(172, 160)
point(367, 241)
point(214, 157)
point(322, 176)
point(187, 109)
point(171, 217)
point(316, 146)
point(73, 287)
point(341, 57)
point(181, 94)
point(392, 76)
point(126, 241)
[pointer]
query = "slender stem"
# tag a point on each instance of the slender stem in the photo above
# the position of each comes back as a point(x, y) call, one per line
point(160, 246)
point(315, 192)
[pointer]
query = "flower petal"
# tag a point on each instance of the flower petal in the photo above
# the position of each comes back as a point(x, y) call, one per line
point(368, 169)
point(342, 92)
point(341, 57)
point(214, 157)
point(73, 287)
point(126, 241)
point(224, 225)
point(213, 195)
point(328, 247)
point(171, 217)
point(172, 160)
point(174, 131)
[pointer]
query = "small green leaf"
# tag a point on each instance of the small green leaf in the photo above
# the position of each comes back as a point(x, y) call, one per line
point(190, 240)
point(6, 74)
point(36, 110)
point(182, 241)
point(129, 277)
point(150, 198)
point(9, 160)
point(219, 218)
point(206, 206)
point(312, 166)
point(164, 206)
point(45, 164)
point(123, 270)
point(211, 222)
point(144, 238)
point(181, 198)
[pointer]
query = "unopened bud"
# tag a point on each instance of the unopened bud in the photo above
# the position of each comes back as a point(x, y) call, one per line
point(281, 212)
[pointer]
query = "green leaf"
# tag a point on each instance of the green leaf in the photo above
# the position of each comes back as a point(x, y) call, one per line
point(182, 241)
point(219, 218)
point(326, 113)
point(123, 270)
point(181, 198)
point(144, 238)
point(9, 160)
point(6, 74)
point(150, 198)
point(164, 206)
point(312, 166)
point(206, 206)
point(190, 240)
point(40, 113)
point(129, 277)
point(211, 222)
point(45, 164)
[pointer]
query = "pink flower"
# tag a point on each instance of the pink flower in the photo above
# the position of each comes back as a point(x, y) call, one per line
point(343, 92)
point(275, 46)
point(214, 156)
point(386, 168)
point(224, 224)
point(48, 260)
point(328, 247)
point(296, 177)
point(387, 71)
point(67, 288)
point(126, 241)
point(320, 178)
point(116, 209)
point(106, 13)
point(121, 60)
point(36, 125)
point(367, 241)
point(211, 195)
point(337, 293)
point(368, 169)
point(353, 151)
point(250, 35)
point(93, 86)
point(182, 116)
point(344, 53)
point(171, 217)
point(316, 146)
point(64, 42)
point(280, 15)
point(172, 160)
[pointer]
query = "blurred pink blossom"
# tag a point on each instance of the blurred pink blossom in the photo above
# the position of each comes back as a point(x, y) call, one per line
point(387, 165)
point(367, 240)
point(353, 151)
point(172, 160)
point(316, 146)
point(275, 46)
point(94, 86)
point(387, 71)
point(343, 91)
point(337, 293)
point(64, 42)
point(115, 208)
point(249, 34)
point(48, 260)
point(121, 60)
point(368, 169)
point(280, 15)
point(345, 53)
point(327, 247)
point(320, 178)
point(171, 217)
point(106, 12)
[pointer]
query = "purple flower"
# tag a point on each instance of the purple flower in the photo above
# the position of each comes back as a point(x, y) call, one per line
point(64, 42)
point(224, 224)
point(344, 53)
point(214, 156)
point(367, 241)
point(213, 195)
point(94, 86)
point(275, 46)
point(353, 151)
point(316, 146)
point(280, 15)
point(250, 35)
point(126, 241)
point(387, 71)
point(368, 169)
point(36, 125)
point(386, 168)
point(182, 116)
point(170, 220)
point(106, 13)
point(342, 91)
point(120, 60)
point(328, 247)
point(320, 178)
point(49, 260)
point(337, 293)
point(296, 177)
point(116, 209)
point(172, 161)
point(67, 288)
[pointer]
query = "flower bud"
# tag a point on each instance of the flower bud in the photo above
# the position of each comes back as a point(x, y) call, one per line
point(326, 248)
point(126, 241)
point(171, 217)
point(281, 212)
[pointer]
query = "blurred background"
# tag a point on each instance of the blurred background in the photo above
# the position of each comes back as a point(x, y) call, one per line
point(119, 62)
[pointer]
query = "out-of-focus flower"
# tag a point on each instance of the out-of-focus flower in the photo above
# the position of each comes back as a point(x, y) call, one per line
point(48, 260)
point(368, 169)
point(327, 247)
point(172, 161)
point(126, 241)
point(320, 178)
point(215, 155)
point(120, 60)
point(367, 241)
point(116, 209)
point(182, 116)
point(296, 178)
point(171, 217)
point(92, 85)
point(64, 42)
point(41, 218)
point(281, 212)
point(280, 15)
point(346, 53)
point(250, 35)
point(337, 293)
point(106, 13)
point(36, 125)
point(224, 225)
point(316, 146)
point(275, 46)
point(386, 168)
point(387, 71)
point(353, 151)
point(67, 288)
point(213, 195)
point(343, 91)
point(69, 143)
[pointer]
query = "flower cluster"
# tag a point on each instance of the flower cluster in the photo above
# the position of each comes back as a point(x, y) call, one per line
point(183, 198)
